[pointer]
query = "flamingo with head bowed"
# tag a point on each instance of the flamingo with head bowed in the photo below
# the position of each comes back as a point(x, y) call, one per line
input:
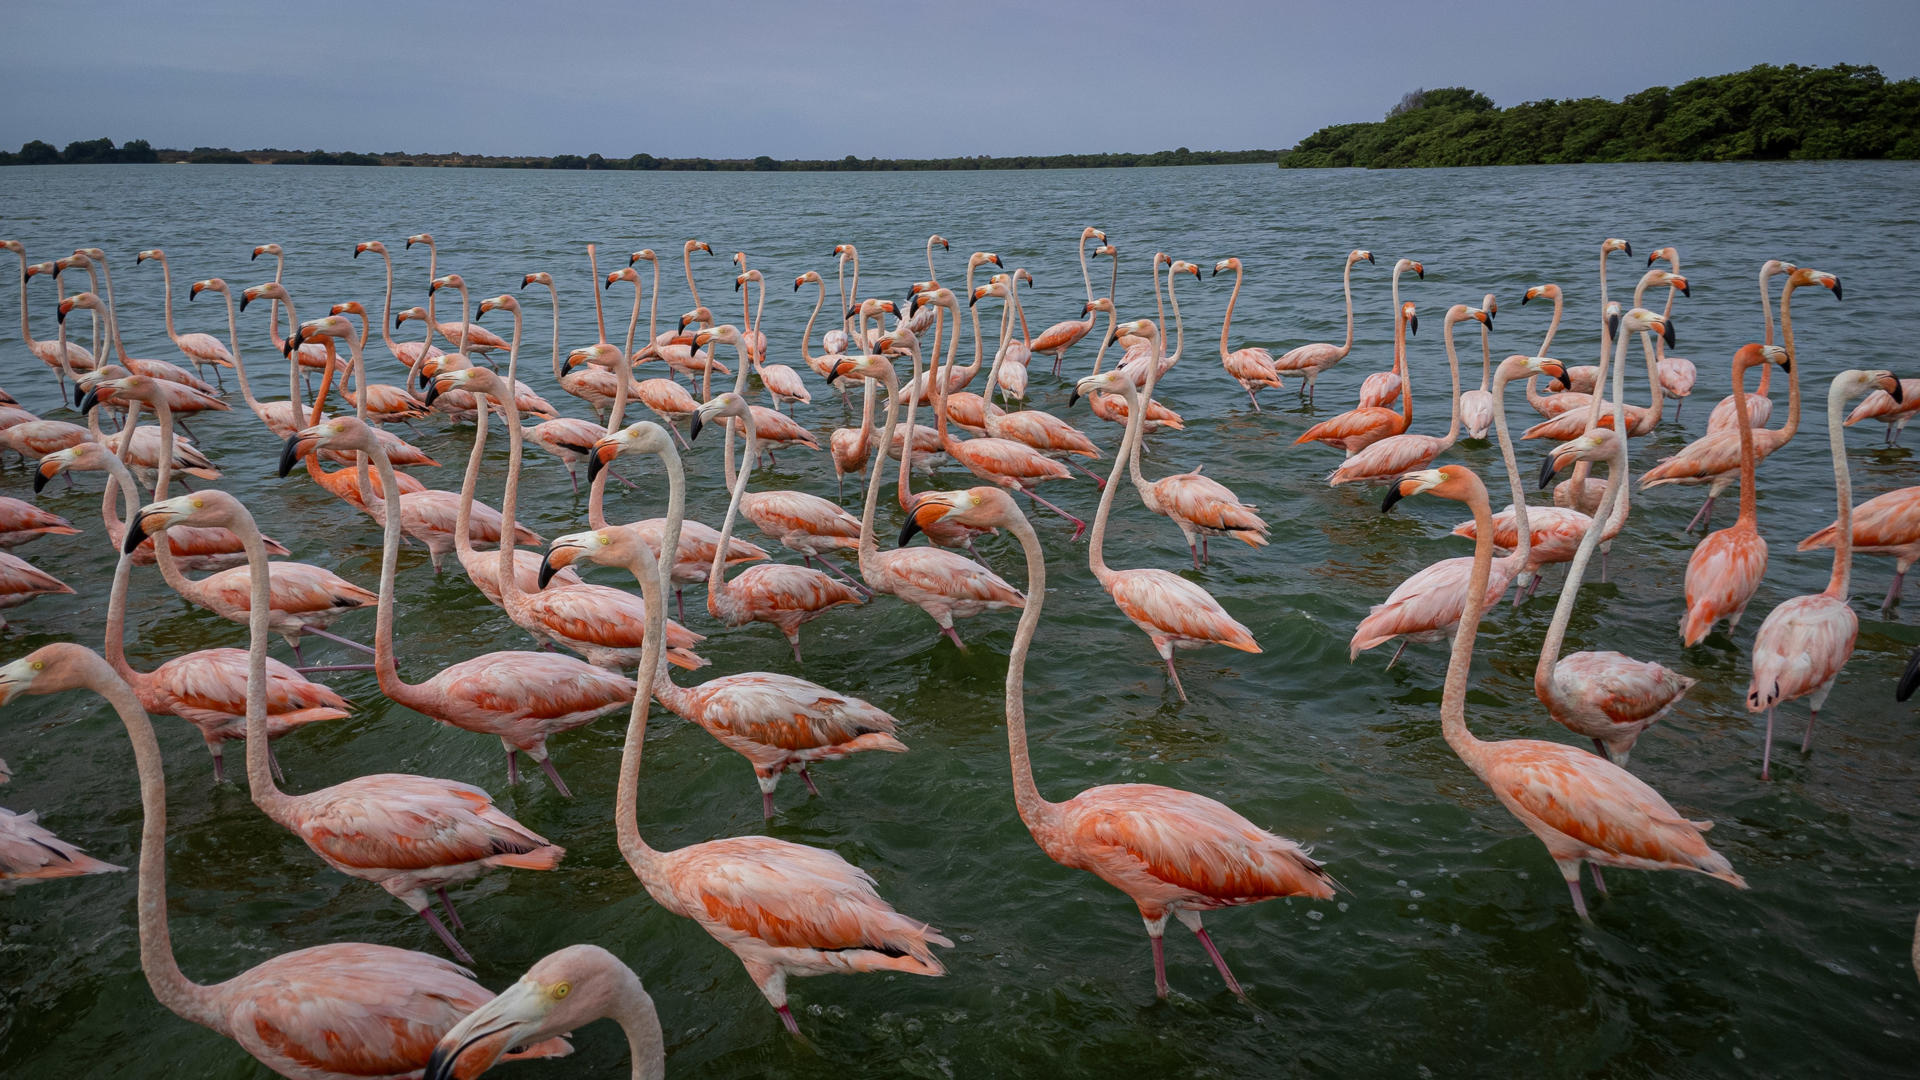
point(1406, 451)
point(522, 698)
point(941, 583)
point(1251, 367)
point(562, 991)
point(1309, 362)
point(343, 1011)
point(1426, 606)
point(1358, 428)
point(776, 722)
point(1804, 642)
point(1895, 412)
point(22, 522)
point(1608, 697)
point(1173, 852)
point(1725, 569)
point(1714, 458)
point(1584, 808)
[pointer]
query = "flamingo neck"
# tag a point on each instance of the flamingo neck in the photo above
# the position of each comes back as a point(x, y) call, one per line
point(904, 478)
point(643, 859)
point(806, 336)
point(166, 297)
point(276, 804)
point(1553, 325)
point(1346, 286)
point(1606, 333)
point(634, 1011)
point(1086, 278)
point(1400, 366)
point(1766, 304)
point(386, 308)
point(516, 444)
point(1749, 508)
point(1453, 370)
point(1843, 490)
point(1486, 358)
point(1128, 456)
point(717, 571)
point(1792, 425)
point(1453, 698)
point(1524, 530)
point(386, 668)
point(869, 549)
point(1233, 298)
point(26, 331)
point(1569, 592)
point(1035, 810)
point(469, 482)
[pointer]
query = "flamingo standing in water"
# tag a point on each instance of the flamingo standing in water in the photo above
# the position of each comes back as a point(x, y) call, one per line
point(776, 722)
point(1172, 852)
point(1725, 569)
point(785, 909)
point(1476, 406)
point(1759, 405)
point(1311, 361)
point(1894, 412)
point(1887, 524)
point(1358, 428)
point(28, 852)
point(1608, 697)
point(407, 353)
point(522, 698)
point(328, 1012)
point(1055, 340)
point(1804, 642)
point(158, 369)
point(1677, 374)
point(1250, 367)
point(1173, 612)
point(1403, 452)
point(1382, 387)
point(23, 522)
point(202, 349)
point(62, 358)
point(1583, 807)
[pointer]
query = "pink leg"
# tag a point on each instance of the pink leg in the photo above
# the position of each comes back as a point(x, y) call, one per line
point(793, 639)
point(786, 1017)
point(573, 476)
point(1195, 552)
point(446, 936)
point(219, 769)
point(1766, 753)
point(1579, 901)
point(1254, 400)
point(1159, 966)
point(1205, 555)
point(766, 805)
point(1893, 593)
point(553, 774)
point(334, 667)
point(1806, 744)
point(808, 779)
point(954, 637)
point(1175, 677)
point(1396, 653)
point(675, 428)
point(349, 643)
point(1098, 480)
point(850, 579)
point(452, 915)
point(1599, 883)
point(1704, 517)
point(513, 768)
point(1078, 525)
point(1220, 962)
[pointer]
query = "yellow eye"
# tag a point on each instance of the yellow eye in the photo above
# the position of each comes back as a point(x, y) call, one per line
point(39, 664)
point(199, 505)
point(560, 990)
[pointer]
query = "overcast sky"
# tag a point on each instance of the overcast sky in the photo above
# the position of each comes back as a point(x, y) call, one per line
point(893, 79)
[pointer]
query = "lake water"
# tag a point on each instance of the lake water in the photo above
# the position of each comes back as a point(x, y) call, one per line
point(1455, 950)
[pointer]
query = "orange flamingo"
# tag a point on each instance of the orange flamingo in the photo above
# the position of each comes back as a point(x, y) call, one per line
point(1250, 367)
point(1382, 387)
point(21, 581)
point(1172, 852)
point(1583, 807)
point(784, 909)
point(1887, 524)
point(522, 698)
point(1356, 429)
point(1406, 451)
point(385, 402)
point(1550, 404)
point(1312, 361)
point(1804, 642)
point(309, 356)
point(1608, 697)
point(199, 348)
point(941, 583)
point(1896, 413)
point(776, 722)
point(1725, 569)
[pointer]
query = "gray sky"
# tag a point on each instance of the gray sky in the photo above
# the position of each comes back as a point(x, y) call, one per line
point(893, 79)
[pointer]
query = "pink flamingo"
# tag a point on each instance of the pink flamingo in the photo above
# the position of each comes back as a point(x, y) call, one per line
point(199, 348)
point(1725, 569)
point(23, 522)
point(776, 722)
point(1382, 387)
point(1476, 406)
point(309, 356)
point(407, 353)
point(472, 336)
point(1583, 807)
point(21, 581)
point(941, 583)
point(1358, 428)
point(1677, 374)
point(522, 698)
point(1172, 852)
point(1055, 340)
point(385, 402)
point(1551, 404)
point(61, 358)
point(784, 909)
point(1311, 361)
point(28, 852)
point(1585, 378)
point(1608, 697)
point(1250, 367)
point(330, 1012)
point(1887, 524)
point(1173, 612)
point(1403, 452)
point(1894, 412)
point(158, 369)
point(562, 991)
point(1804, 642)
point(784, 595)
point(1759, 405)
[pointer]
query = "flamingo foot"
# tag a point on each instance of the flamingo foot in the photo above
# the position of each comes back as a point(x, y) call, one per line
point(452, 915)
point(631, 486)
point(553, 774)
point(575, 477)
point(446, 936)
point(348, 642)
point(1220, 962)
point(786, 1017)
point(1159, 966)
point(805, 776)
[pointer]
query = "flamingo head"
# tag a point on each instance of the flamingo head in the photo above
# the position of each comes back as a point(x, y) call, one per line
point(374, 246)
point(980, 258)
point(474, 380)
point(271, 290)
point(842, 251)
point(329, 328)
point(1091, 233)
point(206, 507)
point(1357, 254)
point(150, 253)
point(811, 277)
point(1410, 317)
point(1596, 445)
point(697, 315)
point(47, 670)
point(864, 366)
point(399, 317)
point(1657, 278)
point(1137, 328)
point(1491, 306)
point(728, 404)
point(87, 300)
point(626, 273)
point(1613, 244)
point(1670, 254)
point(1099, 303)
point(936, 238)
point(1417, 482)
point(14, 246)
point(1232, 264)
point(1775, 266)
point(1403, 265)
point(725, 334)
point(344, 433)
point(1549, 291)
point(1638, 321)
point(503, 302)
point(447, 281)
point(643, 253)
point(420, 238)
point(1803, 275)
point(1851, 384)
point(274, 250)
point(985, 507)
point(571, 548)
point(1521, 366)
point(1114, 382)
point(538, 277)
point(564, 991)
point(41, 268)
point(692, 246)
point(351, 307)
point(1462, 313)
point(80, 456)
point(645, 437)
point(1181, 266)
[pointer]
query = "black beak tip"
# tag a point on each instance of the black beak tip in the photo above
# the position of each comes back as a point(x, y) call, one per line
point(1561, 382)
point(245, 300)
point(593, 469)
point(433, 391)
point(1420, 272)
point(1370, 258)
point(906, 531)
point(1613, 326)
point(697, 425)
point(39, 480)
point(1413, 325)
point(1073, 397)
point(1393, 496)
point(136, 534)
point(1629, 247)
point(1836, 288)
point(546, 571)
point(1547, 470)
point(87, 403)
point(1896, 394)
point(289, 454)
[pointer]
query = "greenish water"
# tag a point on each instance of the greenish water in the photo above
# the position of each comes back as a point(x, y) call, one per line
point(1455, 950)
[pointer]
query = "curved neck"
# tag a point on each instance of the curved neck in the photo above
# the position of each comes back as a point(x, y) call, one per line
point(1034, 809)
point(119, 479)
point(1453, 698)
point(386, 307)
point(113, 322)
point(1346, 286)
point(268, 797)
point(463, 514)
point(1569, 592)
point(599, 304)
point(1179, 324)
point(616, 415)
point(516, 442)
point(717, 571)
point(1547, 342)
point(386, 669)
point(1749, 509)
point(1524, 548)
point(686, 260)
point(1792, 425)
point(1453, 370)
point(806, 336)
point(1766, 306)
point(1129, 452)
point(1233, 298)
point(1843, 490)
point(869, 548)
point(651, 573)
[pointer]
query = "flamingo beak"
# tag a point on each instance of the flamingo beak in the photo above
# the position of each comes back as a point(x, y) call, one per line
point(1547, 470)
point(1893, 390)
point(698, 423)
point(433, 390)
point(1393, 496)
point(547, 567)
point(42, 474)
point(91, 399)
point(245, 299)
point(290, 454)
point(136, 533)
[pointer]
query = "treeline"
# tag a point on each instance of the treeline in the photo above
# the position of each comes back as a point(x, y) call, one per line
point(1765, 113)
point(138, 151)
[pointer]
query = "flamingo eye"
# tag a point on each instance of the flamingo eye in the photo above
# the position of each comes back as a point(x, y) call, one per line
point(39, 664)
point(561, 990)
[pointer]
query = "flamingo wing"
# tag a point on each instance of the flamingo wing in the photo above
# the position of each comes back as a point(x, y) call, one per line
point(395, 821)
point(1175, 607)
point(28, 850)
point(1800, 648)
point(1191, 842)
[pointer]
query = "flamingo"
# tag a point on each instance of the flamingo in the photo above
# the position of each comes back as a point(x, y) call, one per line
point(544, 1005)
point(1250, 367)
point(1041, 430)
point(407, 353)
point(1359, 428)
point(1570, 423)
point(1726, 568)
point(1887, 524)
point(1428, 604)
point(28, 852)
point(1583, 807)
point(1585, 378)
point(1551, 404)
point(1406, 451)
point(523, 698)
point(385, 402)
point(1476, 406)
point(941, 583)
point(1382, 387)
point(1172, 852)
point(1804, 642)
point(1055, 340)
point(782, 382)
point(783, 909)
point(330, 1012)
point(776, 722)
point(1173, 612)
point(784, 595)
point(309, 356)
point(822, 364)
point(281, 417)
point(23, 522)
point(158, 369)
point(1714, 458)
point(199, 348)
point(1311, 361)
point(21, 581)
point(472, 336)
point(1759, 405)
point(61, 358)
point(1608, 697)
point(1896, 413)
point(1677, 374)
point(528, 402)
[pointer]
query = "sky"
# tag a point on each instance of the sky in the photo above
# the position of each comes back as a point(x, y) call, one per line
point(739, 78)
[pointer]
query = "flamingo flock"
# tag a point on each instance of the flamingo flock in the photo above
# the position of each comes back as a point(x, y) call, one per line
point(964, 453)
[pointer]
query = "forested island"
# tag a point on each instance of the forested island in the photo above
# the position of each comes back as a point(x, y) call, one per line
point(140, 151)
point(1764, 113)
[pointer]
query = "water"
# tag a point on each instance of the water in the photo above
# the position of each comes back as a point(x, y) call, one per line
point(1455, 948)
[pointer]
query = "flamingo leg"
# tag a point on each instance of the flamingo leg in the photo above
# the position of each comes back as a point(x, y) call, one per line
point(573, 476)
point(336, 637)
point(1175, 677)
point(333, 667)
point(1893, 593)
point(1220, 962)
point(1806, 744)
point(1159, 965)
point(1703, 518)
point(631, 486)
point(954, 636)
point(274, 762)
point(1599, 883)
point(553, 774)
point(219, 768)
point(295, 646)
point(766, 810)
point(1205, 555)
point(793, 639)
point(1079, 526)
point(671, 426)
point(1766, 753)
point(452, 915)
point(786, 1017)
point(446, 936)
point(1195, 552)
point(1601, 749)
point(513, 768)
point(809, 780)
point(1099, 481)
point(851, 580)
point(1579, 901)
point(1396, 654)
point(1254, 400)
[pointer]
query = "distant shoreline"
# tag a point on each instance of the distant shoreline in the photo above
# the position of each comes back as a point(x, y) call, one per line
point(140, 152)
